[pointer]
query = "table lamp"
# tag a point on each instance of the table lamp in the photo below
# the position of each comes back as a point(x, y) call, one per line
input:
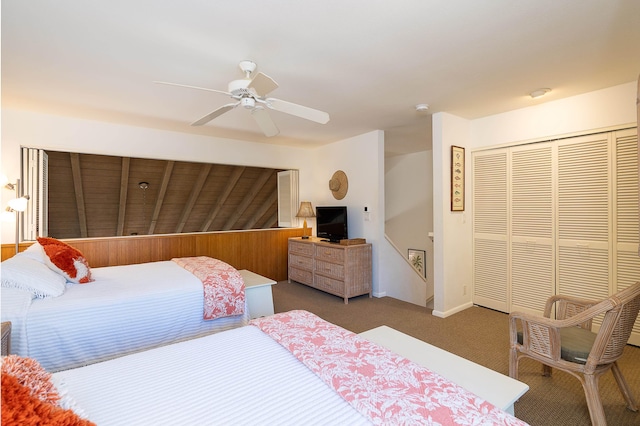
point(305, 211)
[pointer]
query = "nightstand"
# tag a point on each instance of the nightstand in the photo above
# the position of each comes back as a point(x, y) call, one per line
point(258, 293)
point(6, 338)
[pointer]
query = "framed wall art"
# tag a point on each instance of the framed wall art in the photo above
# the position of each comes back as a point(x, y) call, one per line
point(457, 179)
point(417, 260)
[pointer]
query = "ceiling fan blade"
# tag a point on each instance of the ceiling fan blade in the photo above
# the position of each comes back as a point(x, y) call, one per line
point(265, 123)
point(218, 112)
point(193, 87)
point(298, 110)
point(262, 84)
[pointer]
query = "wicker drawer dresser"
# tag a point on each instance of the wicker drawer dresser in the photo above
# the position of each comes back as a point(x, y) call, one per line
point(341, 270)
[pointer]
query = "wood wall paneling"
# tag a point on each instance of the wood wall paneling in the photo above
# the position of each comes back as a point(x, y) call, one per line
point(262, 251)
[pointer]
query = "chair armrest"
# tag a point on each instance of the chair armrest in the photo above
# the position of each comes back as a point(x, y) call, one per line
point(568, 307)
point(568, 300)
point(542, 335)
point(571, 321)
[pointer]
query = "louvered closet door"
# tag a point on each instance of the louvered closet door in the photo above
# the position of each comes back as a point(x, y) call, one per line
point(490, 230)
point(626, 261)
point(584, 217)
point(532, 227)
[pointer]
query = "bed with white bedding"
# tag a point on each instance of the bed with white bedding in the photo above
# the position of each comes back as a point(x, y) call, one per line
point(123, 310)
point(289, 368)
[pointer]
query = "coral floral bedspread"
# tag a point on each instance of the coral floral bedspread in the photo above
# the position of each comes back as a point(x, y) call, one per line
point(384, 387)
point(222, 284)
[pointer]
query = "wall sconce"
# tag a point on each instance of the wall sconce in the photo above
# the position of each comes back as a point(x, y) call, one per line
point(17, 205)
point(7, 214)
point(305, 211)
point(4, 180)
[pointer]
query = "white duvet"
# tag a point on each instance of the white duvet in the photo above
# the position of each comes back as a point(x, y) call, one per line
point(126, 309)
point(239, 377)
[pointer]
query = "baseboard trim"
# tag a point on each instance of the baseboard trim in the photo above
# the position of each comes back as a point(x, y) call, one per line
point(450, 312)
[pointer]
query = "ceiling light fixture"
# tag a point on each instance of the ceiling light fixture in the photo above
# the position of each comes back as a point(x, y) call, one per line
point(422, 107)
point(539, 92)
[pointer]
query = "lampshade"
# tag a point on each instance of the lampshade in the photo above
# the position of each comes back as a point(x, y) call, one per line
point(305, 210)
point(19, 204)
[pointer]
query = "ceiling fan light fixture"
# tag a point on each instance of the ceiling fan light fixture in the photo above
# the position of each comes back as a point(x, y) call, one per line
point(539, 92)
point(239, 87)
point(248, 103)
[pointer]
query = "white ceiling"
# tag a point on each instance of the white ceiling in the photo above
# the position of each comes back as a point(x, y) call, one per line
point(365, 62)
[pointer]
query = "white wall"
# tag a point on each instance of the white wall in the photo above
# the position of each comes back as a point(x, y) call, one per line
point(452, 230)
point(597, 110)
point(602, 109)
point(399, 279)
point(409, 199)
point(408, 220)
point(362, 160)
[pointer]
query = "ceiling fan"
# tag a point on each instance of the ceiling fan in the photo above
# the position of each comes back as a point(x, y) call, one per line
point(250, 92)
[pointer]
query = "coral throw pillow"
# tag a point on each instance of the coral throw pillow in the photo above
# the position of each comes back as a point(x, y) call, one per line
point(66, 260)
point(30, 398)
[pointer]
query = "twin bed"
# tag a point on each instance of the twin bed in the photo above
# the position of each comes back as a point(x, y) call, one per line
point(124, 309)
point(289, 368)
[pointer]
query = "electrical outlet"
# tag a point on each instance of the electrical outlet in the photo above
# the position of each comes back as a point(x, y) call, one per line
point(464, 290)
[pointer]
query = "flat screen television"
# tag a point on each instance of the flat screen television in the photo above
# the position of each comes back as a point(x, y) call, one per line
point(331, 223)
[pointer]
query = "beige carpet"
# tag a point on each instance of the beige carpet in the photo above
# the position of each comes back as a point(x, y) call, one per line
point(481, 335)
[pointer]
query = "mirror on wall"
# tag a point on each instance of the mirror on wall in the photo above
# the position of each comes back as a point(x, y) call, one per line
point(91, 195)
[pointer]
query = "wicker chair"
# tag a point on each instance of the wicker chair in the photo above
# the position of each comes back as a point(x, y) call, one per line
point(567, 342)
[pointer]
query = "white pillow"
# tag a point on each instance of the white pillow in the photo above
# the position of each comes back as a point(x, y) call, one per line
point(25, 273)
point(35, 252)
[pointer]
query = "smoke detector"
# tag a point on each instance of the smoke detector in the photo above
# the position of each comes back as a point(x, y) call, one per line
point(422, 107)
point(539, 92)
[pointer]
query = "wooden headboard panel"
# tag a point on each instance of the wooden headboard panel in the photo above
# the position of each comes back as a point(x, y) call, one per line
point(263, 251)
